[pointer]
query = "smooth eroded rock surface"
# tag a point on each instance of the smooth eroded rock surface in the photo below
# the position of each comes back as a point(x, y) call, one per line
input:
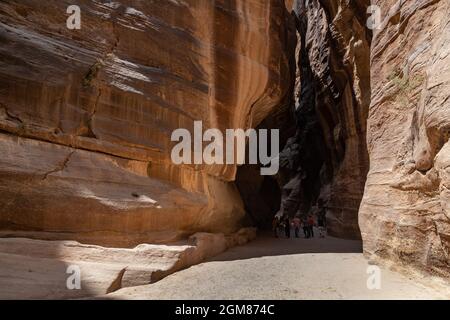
point(95, 108)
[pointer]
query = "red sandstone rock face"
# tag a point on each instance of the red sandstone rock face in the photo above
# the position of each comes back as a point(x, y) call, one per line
point(404, 215)
point(86, 115)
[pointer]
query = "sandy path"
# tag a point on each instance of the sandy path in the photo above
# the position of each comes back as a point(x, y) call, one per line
point(270, 268)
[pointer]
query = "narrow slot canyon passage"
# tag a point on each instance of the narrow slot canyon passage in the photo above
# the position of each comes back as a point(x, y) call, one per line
point(323, 163)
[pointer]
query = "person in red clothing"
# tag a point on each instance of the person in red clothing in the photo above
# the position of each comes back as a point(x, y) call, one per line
point(311, 225)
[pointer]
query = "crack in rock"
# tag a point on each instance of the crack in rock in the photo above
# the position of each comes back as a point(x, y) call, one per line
point(10, 116)
point(117, 283)
point(91, 132)
point(60, 166)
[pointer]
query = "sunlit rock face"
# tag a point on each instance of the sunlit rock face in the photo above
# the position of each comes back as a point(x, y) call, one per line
point(326, 160)
point(405, 213)
point(86, 115)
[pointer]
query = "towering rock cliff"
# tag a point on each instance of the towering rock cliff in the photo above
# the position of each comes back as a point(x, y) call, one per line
point(405, 213)
point(86, 115)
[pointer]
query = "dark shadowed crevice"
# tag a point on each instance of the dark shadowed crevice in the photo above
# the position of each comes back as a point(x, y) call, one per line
point(261, 195)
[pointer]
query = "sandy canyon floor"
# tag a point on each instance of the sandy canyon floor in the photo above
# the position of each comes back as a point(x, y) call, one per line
point(269, 268)
point(266, 268)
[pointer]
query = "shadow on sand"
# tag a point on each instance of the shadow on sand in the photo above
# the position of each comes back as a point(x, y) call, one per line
point(267, 245)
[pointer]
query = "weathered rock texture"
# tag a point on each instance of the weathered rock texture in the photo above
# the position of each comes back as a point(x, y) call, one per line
point(327, 157)
point(405, 214)
point(86, 115)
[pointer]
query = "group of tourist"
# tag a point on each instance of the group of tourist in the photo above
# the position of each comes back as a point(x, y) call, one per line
point(307, 223)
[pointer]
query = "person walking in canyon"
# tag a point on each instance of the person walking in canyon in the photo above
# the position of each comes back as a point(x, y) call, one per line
point(297, 222)
point(287, 227)
point(305, 227)
point(321, 224)
point(310, 224)
point(275, 226)
point(321, 219)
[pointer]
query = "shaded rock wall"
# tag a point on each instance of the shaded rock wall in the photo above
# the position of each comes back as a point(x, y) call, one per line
point(86, 115)
point(405, 214)
point(326, 159)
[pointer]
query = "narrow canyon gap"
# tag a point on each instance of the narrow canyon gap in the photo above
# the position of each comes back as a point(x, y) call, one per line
point(324, 124)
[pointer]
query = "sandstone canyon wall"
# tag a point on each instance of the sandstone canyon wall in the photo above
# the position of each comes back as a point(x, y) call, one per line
point(405, 215)
point(86, 115)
